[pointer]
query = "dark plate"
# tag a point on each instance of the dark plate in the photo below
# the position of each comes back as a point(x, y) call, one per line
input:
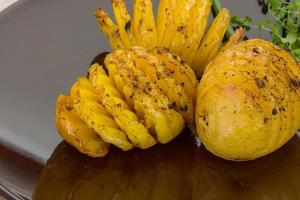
point(45, 45)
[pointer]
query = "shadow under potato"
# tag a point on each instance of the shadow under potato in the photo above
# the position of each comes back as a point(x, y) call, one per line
point(177, 170)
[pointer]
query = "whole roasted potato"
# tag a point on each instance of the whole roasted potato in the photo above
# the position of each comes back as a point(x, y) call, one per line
point(248, 101)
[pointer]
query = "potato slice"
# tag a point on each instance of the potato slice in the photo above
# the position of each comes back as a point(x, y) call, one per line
point(179, 27)
point(110, 29)
point(124, 21)
point(196, 28)
point(161, 75)
point(212, 41)
point(76, 132)
point(147, 99)
point(143, 25)
point(181, 72)
point(164, 21)
point(237, 37)
point(125, 119)
point(91, 113)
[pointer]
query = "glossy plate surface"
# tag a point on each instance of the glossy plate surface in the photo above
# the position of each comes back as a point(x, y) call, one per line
point(177, 171)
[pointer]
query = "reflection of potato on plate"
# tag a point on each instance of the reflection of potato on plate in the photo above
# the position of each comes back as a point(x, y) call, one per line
point(174, 171)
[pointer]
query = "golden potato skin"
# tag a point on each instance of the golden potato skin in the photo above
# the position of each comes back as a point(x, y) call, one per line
point(248, 101)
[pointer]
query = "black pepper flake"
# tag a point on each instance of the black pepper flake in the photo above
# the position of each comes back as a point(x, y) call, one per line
point(172, 105)
point(255, 50)
point(119, 105)
point(184, 108)
point(69, 107)
point(206, 123)
point(128, 26)
point(180, 29)
point(266, 120)
point(295, 83)
point(117, 33)
point(182, 84)
point(274, 111)
point(259, 83)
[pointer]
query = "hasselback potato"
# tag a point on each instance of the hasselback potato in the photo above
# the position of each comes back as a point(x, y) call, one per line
point(248, 101)
point(145, 97)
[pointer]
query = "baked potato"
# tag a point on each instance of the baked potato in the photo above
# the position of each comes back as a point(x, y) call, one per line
point(248, 101)
point(133, 104)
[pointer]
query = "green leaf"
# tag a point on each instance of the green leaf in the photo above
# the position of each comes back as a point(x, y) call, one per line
point(262, 24)
point(276, 33)
point(296, 54)
point(241, 21)
point(291, 37)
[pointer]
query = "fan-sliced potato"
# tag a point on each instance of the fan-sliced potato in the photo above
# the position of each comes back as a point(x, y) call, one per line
point(147, 100)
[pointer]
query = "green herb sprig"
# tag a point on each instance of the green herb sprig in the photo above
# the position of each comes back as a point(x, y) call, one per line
point(285, 31)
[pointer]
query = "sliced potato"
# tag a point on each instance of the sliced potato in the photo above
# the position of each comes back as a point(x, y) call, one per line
point(143, 24)
point(211, 42)
point(97, 118)
point(124, 118)
point(179, 27)
point(236, 38)
point(164, 21)
point(123, 20)
point(147, 99)
point(181, 72)
point(76, 132)
point(110, 29)
point(196, 28)
point(161, 75)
